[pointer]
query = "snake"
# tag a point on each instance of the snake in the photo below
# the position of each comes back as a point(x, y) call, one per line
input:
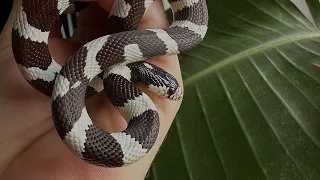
point(115, 63)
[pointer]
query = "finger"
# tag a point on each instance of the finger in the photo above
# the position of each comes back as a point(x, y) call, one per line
point(93, 15)
point(104, 114)
point(61, 49)
point(91, 24)
point(89, 28)
point(106, 4)
point(154, 18)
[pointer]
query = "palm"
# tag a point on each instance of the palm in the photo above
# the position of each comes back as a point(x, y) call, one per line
point(30, 147)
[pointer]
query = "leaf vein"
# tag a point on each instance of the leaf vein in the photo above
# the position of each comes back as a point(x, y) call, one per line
point(289, 60)
point(242, 55)
point(242, 126)
point(236, 35)
point(295, 86)
point(283, 146)
point(182, 144)
point(283, 101)
point(270, 15)
point(210, 130)
point(292, 15)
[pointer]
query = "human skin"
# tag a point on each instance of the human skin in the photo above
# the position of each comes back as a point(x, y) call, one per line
point(30, 147)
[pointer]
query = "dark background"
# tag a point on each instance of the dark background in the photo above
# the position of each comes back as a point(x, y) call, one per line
point(5, 9)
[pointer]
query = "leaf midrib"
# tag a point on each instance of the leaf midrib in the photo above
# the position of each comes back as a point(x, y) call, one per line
point(249, 52)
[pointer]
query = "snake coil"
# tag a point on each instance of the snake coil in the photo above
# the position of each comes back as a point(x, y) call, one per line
point(119, 58)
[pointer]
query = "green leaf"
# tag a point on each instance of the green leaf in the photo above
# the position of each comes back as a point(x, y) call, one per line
point(252, 103)
point(314, 6)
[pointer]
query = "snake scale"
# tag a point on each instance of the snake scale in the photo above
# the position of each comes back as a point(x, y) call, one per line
point(114, 63)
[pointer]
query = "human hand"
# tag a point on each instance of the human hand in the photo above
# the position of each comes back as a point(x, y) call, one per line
point(30, 146)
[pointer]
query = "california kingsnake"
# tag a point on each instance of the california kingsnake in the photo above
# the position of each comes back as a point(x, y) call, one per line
point(121, 57)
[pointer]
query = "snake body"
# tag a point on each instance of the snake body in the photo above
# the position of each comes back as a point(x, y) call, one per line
point(114, 63)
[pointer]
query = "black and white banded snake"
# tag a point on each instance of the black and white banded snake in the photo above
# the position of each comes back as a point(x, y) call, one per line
point(114, 63)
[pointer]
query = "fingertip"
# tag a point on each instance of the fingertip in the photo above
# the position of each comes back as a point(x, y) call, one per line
point(60, 49)
point(89, 24)
point(106, 4)
point(171, 65)
point(104, 114)
point(155, 17)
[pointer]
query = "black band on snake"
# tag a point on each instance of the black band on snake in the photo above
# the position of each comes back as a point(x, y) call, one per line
point(119, 58)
